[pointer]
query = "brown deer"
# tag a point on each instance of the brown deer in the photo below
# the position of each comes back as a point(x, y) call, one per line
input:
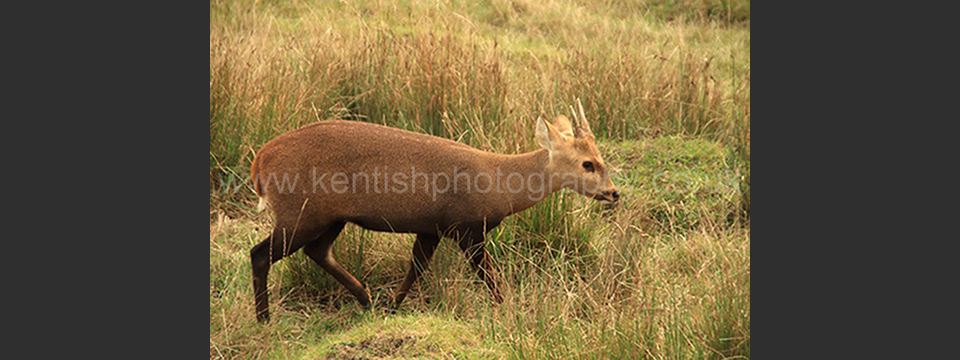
point(410, 183)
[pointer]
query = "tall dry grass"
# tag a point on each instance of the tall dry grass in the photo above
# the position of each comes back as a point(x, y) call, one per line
point(276, 67)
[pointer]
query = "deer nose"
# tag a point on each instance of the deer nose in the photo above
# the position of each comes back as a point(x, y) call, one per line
point(615, 195)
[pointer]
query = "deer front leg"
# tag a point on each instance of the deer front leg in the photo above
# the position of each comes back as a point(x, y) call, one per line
point(473, 247)
point(422, 252)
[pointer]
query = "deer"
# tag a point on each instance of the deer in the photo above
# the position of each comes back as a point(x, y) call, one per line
point(320, 164)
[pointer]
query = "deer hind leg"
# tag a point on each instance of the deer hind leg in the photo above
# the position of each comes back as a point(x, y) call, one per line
point(472, 244)
point(422, 252)
point(319, 251)
point(283, 242)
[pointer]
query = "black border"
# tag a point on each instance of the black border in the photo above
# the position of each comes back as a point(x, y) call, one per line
point(107, 249)
point(841, 133)
point(109, 182)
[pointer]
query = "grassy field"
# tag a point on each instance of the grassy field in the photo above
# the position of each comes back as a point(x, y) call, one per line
point(666, 86)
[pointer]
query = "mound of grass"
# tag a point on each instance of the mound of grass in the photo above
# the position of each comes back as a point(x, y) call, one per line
point(411, 336)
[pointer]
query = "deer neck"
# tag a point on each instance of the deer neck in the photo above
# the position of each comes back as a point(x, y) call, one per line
point(525, 179)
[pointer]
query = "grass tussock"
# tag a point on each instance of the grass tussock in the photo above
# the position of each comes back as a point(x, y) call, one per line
point(420, 336)
point(666, 85)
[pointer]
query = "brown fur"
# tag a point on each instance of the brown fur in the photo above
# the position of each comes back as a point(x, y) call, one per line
point(311, 217)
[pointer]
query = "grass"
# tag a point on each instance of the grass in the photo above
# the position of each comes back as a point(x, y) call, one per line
point(666, 84)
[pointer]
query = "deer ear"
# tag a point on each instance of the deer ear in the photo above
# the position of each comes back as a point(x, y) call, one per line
point(547, 135)
point(563, 125)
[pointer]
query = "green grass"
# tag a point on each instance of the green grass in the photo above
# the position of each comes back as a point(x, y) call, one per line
point(690, 182)
point(666, 85)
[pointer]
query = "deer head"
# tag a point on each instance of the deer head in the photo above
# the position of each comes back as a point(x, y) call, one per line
point(574, 157)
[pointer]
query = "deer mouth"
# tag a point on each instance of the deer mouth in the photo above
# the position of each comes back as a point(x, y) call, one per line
point(607, 197)
point(603, 199)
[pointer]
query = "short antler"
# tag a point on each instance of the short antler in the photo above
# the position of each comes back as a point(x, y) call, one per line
point(581, 126)
point(583, 118)
point(576, 122)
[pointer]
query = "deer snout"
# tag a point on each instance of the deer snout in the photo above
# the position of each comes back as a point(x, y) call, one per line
point(613, 195)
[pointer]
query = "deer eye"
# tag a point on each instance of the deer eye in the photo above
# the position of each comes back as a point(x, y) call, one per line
point(588, 165)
